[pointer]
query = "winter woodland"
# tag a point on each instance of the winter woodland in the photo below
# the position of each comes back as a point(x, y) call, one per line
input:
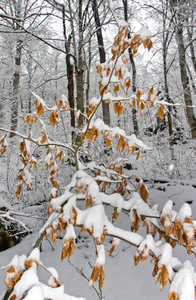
point(97, 145)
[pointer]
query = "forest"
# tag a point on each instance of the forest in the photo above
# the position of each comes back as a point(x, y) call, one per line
point(97, 149)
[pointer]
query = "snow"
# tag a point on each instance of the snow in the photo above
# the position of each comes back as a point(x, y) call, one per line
point(93, 219)
point(39, 99)
point(100, 255)
point(111, 4)
point(184, 212)
point(166, 254)
point(115, 200)
point(28, 279)
point(167, 207)
point(34, 255)
point(183, 283)
point(4, 203)
point(94, 101)
point(144, 33)
point(27, 178)
point(122, 23)
point(131, 237)
point(149, 242)
point(35, 293)
point(58, 202)
point(70, 233)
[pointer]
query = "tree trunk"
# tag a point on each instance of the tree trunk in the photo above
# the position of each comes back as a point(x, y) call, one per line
point(16, 75)
point(80, 68)
point(192, 49)
point(185, 81)
point(88, 76)
point(169, 119)
point(102, 56)
point(16, 82)
point(70, 76)
point(70, 87)
point(134, 74)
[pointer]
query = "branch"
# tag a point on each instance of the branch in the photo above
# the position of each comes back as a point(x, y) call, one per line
point(4, 16)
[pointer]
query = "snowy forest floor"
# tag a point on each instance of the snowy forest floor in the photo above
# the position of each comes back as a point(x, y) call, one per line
point(123, 279)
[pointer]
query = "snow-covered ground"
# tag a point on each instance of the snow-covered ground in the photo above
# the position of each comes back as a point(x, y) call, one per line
point(123, 279)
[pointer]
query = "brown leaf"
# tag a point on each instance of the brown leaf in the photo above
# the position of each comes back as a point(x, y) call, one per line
point(52, 119)
point(121, 143)
point(163, 276)
point(138, 155)
point(172, 296)
point(161, 112)
point(124, 58)
point(99, 69)
point(116, 88)
point(29, 262)
point(166, 222)
point(3, 145)
point(138, 95)
point(115, 215)
point(136, 221)
point(44, 139)
point(144, 193)
point(108, 140)
point(101, 278)
point(40, 108)
point(118, 108)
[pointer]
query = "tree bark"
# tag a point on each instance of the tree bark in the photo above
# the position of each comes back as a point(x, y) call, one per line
point(134, 72)
point(16, 75)
point(185, 81)
point(80, 68)
point(70, 77)
point(102, 56)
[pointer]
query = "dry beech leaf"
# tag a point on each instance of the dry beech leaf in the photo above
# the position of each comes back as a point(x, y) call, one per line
point(29, 262)
point(99, 69)
point(44, 139)
point(108, 140)
point(136, 221)
point(68, 248)
point(166, 222)
point(3, 145)
point(118, 108)
point(172, 296)
point(78, 114)
point(40, 108)
point(116, 88)
point(11, 277)
point(144, 193)
point(97, 274)
point(161, 112)
point(52, 119)
point(163, 276)
point(138, 155)
point(115, 215)
point(147, 43)
point(138, 95)
point(121, 143)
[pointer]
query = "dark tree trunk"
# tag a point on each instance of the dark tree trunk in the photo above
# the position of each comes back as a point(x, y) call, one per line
point(80, 68)
point(134, 73)
point(70, 87)
point(102, 56)
point(185, 81)
point(70, 76)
